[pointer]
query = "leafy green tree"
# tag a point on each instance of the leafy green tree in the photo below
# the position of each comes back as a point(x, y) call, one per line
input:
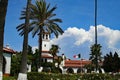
point(30, 55)
point(116, 62)
point(111, 62)
point(3, 11)
point(54, 50)
point(43, 20)
point(15, 63)
point(95, 55)
point(108, 61)
point(35, 61)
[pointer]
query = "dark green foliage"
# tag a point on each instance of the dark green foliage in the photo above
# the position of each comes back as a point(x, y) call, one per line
point(15, 64)
point(89, 67)
point(95, 55)
point(47, 64)
point(35, 61)
point(48, 76)
point(50, 67)
point(9, 78)
point(111, 62)
point(56, 70)
point(54, 50)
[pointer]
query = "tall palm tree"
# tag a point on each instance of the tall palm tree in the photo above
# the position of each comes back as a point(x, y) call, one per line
point(54, 50)
point(43, 21)
point(23, 68)
point(96, 46)
point(3, 11)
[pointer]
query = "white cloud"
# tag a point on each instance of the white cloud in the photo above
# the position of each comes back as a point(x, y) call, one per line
point(76, 40)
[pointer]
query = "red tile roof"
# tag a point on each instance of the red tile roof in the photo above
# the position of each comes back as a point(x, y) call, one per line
point(46, 55)
point(76, 63)
point(8, 50)
point(45, 51)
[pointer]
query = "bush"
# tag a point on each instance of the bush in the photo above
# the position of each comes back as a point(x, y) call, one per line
point(9, 78)
point(48, 76)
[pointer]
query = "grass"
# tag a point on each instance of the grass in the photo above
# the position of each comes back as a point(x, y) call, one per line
point(9, 78)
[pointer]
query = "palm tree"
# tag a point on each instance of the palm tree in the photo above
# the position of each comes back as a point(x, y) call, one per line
point(23, 68)
point(96, 55)
point(3, 11)
point(54, 50)
point(43, 21)
point(94, 49)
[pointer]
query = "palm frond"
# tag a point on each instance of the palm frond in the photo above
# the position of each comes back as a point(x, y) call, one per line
point(20, 27)
point(35, 30)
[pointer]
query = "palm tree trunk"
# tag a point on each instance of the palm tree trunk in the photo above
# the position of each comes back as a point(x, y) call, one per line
point(96, 34)
point(3, 11)
point(23, 68)
point(25, 41)
point(40, 46)
point(95, 21)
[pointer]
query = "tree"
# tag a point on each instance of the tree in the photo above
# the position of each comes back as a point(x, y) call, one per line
point(95, 55)
point(108, 60)
point(116, 62)
point(3, 11)
point(30, 55)
point(15, 63)
point(23, 68)
point(43, 21)
point(54, 50)
point(111, 62)
point(95, 49)
point(35, 61)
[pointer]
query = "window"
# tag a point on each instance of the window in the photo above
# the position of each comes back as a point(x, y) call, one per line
point(45, 60)
point(46, 36)
point(43, 36)
point(44, 45)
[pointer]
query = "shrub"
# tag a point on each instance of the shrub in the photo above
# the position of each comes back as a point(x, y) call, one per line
point(9, 78)
point(49, 76)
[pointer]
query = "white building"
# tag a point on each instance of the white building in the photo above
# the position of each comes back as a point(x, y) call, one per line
point(7, 60)
point(46, 56)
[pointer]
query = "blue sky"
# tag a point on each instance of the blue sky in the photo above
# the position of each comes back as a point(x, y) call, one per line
point(78, 24)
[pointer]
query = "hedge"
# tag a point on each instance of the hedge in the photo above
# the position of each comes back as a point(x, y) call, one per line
point(51, 76)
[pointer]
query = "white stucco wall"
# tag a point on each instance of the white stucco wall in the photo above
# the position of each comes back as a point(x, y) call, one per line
point(75, 70)
point(46, 45)
point(46, 42)
point(49, 60)
point(8, 62)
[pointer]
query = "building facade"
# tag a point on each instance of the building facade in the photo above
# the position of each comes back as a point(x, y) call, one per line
point(46, 56)
point(7, 60)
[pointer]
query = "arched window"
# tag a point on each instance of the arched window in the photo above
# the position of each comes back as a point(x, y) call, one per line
point(46, 36)
point(70, 70)
point(79, 70)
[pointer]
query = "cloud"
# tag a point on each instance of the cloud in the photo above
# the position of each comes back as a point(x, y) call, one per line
point(75, 40)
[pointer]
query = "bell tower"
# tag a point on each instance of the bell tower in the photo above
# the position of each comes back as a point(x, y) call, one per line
point(45, 42)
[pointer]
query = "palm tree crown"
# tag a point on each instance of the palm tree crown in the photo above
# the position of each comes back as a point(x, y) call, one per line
point(42, 19)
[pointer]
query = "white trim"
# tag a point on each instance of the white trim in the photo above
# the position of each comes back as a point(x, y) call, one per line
point(22, 76)
point(1, 75)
